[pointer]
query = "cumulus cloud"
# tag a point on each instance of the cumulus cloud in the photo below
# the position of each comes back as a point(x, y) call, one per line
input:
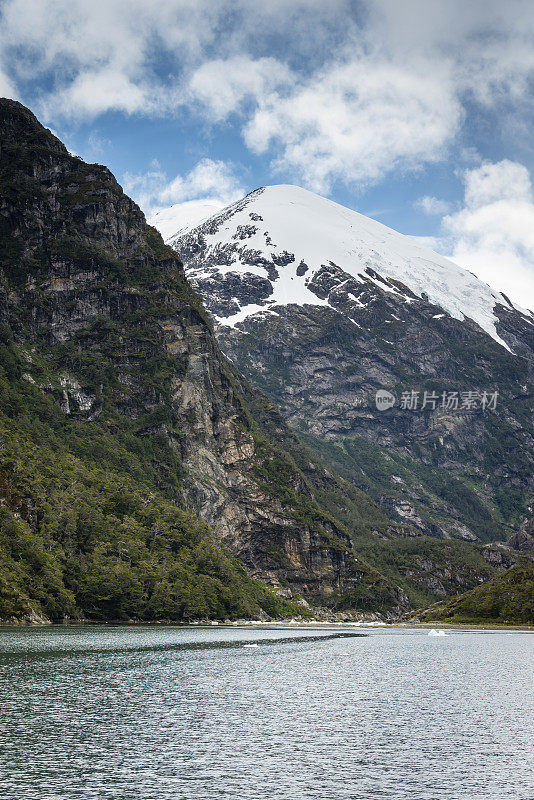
point(222, 86)
point(96, 91)
point(139, 57)
point(356, 121)
point(101, 56)
point(392, 96)
point(493, 233)
point(212, 181)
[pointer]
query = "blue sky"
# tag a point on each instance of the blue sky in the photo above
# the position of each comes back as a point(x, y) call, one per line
point(418, 113)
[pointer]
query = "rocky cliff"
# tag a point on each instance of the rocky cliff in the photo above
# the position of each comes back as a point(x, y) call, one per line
point(506, 600)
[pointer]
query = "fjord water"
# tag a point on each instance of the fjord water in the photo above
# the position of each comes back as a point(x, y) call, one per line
point(161, 713)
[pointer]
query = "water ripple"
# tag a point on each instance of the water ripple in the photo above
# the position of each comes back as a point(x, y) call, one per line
point(189, 714)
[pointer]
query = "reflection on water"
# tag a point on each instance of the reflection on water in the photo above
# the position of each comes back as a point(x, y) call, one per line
point(155, 713)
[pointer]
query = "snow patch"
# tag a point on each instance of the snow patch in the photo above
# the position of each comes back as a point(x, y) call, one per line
point(171, 222)
point(243, 313)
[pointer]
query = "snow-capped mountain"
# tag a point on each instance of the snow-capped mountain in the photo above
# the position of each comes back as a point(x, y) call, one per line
point(282, 245)
point(321, 307)
point(181, 217)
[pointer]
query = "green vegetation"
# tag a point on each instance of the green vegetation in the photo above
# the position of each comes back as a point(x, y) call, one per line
point(419, 564)
point(92, 517)
point(505, 600)
point(92, 524)
point(373, 467)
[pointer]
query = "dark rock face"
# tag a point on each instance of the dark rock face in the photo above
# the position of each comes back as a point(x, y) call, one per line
point(324, 372)
point(91, 291)
point(523, 540)
point(230, 292)
point(451, 469)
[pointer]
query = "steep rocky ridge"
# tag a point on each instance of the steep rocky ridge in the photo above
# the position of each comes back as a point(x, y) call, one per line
point(98, 310)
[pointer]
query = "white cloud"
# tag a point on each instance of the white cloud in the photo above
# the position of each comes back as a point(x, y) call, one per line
point(490, 183)
point(432, 206)
point(212, 181)
point(493, 234)
point(138, 57)
point(356, 121)
point(488, 46)
point(8, 88)
point(103, 55)
point(96, 91)
point(332, 91)
point(394, 94)
point(223, 85)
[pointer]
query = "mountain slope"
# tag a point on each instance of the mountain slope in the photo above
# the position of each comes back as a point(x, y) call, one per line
point(505, 600)
point(141, 476)
point(125, 431)
point(183, 216)
point(321, 307)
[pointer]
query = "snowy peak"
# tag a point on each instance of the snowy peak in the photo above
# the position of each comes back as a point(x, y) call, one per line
point(283, 244)
point(182, 217)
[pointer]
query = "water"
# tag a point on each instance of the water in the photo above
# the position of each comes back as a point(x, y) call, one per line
point(144, 713)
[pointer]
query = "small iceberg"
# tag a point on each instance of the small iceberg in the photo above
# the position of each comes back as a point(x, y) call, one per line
point(250, 645)
point(434, 632)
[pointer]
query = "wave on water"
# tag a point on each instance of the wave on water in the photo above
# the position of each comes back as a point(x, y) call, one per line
point(179, 646)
